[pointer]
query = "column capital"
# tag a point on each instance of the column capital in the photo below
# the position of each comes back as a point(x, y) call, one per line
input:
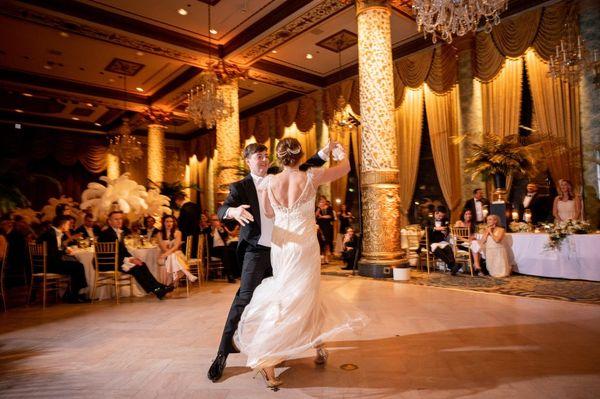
point(364, 5)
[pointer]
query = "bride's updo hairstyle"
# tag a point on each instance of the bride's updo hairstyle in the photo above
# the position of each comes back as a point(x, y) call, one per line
point(289, 151)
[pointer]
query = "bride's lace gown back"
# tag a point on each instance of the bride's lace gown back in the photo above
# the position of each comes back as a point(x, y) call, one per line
point(288, 314)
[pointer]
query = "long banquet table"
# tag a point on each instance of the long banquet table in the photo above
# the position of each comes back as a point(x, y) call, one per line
point(86, 256)
point(578, 257)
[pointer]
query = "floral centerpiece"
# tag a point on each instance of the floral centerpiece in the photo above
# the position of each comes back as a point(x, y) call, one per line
point(559, 231)
point(520, 227)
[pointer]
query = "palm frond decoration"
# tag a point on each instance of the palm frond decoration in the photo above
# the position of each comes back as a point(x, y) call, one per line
point(503, 156)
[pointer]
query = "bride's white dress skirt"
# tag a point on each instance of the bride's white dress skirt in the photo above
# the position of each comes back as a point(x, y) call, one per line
point(289, 313)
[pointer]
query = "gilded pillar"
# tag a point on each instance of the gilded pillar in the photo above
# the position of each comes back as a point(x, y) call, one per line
point(589, 15)
point(228, 142)
point(112, 166)
point(471, 119)
point(379, 172)
point(156, 152)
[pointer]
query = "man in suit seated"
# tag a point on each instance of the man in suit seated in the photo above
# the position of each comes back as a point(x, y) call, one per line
point(217, 246)
point(349, 245)
point(88, 229)
point(149, 231)
point(537, 204)
point(439, 236)
point(475, 205)
point(57, 262)
point(129, 264)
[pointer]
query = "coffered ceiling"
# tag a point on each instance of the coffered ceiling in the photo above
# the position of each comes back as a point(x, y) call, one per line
point(84, 64)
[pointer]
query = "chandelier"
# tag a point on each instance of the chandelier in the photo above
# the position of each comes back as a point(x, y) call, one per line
point(446, 18)
point(206, 104)
point(572, 57)
point(124, 145)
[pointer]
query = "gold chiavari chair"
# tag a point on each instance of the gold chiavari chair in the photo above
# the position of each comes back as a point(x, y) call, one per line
point(196, 265)
point(413, 238)
point(106, 256)
point(4, 252)
point(425, 249)
point(460, 236)
point(212, 265)
point(49, 282)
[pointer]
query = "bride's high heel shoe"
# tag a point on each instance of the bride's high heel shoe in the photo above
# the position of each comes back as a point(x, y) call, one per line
point(272, 383)
point(322, 356)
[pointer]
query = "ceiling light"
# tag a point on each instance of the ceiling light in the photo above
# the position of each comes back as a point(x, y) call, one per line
point(274, 51)
point(75, 118)
point(20, 111)
point(48, 67)
point(89, 104)
point(111, 80)
point(139, 53)
point(97, 124)
point(18, 126)
point(28, 94)
point(64, 34)
point(213, 31)
point(255, 82)
point(309, 56)
point(182, 11)
point(139, 89)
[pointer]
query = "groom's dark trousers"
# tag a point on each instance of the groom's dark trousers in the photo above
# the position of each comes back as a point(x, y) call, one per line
point(255, 267)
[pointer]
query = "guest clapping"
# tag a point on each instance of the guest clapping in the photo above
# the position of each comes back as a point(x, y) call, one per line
point(170, 252)
point(495, 252)
point(567, 206)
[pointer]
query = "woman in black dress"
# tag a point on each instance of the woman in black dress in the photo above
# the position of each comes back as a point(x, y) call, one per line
point(345, 217)
point(325, 217)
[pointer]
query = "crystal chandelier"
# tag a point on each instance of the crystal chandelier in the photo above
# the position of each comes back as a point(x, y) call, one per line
point(446, 18)
point(572, 57)
point(206, 104)
point(123, 144)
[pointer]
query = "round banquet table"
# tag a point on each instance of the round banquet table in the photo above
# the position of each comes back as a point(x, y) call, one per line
point(577, 258)
point(86, 256)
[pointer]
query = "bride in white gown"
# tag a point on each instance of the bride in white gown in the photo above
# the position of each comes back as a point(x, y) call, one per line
point(289, 313)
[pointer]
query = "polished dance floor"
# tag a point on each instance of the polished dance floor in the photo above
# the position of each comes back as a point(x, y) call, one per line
point(422, 342)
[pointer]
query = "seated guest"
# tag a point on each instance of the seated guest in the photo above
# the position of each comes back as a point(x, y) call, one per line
point(349, 244)
point(233, 237)
point(88, 229)
point(439, 234)
point(204, 224)
point(129, 264)
point(476, 204)
point(216, 245)
point(466, 220)
point(495, 252)
point(71, 236)
point(56, 261)
point(170, 250)
point(149, 231)
point(567, 206)
point(536, 203)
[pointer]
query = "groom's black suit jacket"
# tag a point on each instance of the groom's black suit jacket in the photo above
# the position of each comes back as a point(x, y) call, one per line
point(244, 192)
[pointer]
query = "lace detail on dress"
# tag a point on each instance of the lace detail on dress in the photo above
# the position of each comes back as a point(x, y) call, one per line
point(307, 195)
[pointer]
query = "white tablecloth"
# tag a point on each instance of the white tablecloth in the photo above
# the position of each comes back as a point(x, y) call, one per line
point(86, 256)
point(578, 257)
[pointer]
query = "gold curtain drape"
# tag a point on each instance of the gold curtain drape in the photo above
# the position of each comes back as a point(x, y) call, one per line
point(557, 115)
point(409, 125)
point(501, 100)
point(308, 140)
point(68, 149)
point(442, 117)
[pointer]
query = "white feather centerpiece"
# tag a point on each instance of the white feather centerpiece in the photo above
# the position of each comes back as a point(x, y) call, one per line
point(125, 195)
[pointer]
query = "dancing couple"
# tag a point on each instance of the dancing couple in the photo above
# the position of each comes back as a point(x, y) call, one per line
point(279, 310)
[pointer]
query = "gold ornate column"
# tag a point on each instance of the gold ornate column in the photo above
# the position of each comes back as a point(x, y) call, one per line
point(112, 166)
point(156, 152)
point(228, 141)
point(379, 162)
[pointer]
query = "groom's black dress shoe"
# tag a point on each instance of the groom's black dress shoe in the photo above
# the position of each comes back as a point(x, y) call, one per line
point(216, 368)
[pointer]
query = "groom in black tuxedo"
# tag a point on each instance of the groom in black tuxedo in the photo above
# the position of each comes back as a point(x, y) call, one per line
point(254, 247)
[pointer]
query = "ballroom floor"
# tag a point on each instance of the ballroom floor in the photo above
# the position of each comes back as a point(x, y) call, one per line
point(423, 342)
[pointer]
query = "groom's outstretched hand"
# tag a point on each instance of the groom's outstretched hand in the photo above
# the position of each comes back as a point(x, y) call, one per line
point(241, 214)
